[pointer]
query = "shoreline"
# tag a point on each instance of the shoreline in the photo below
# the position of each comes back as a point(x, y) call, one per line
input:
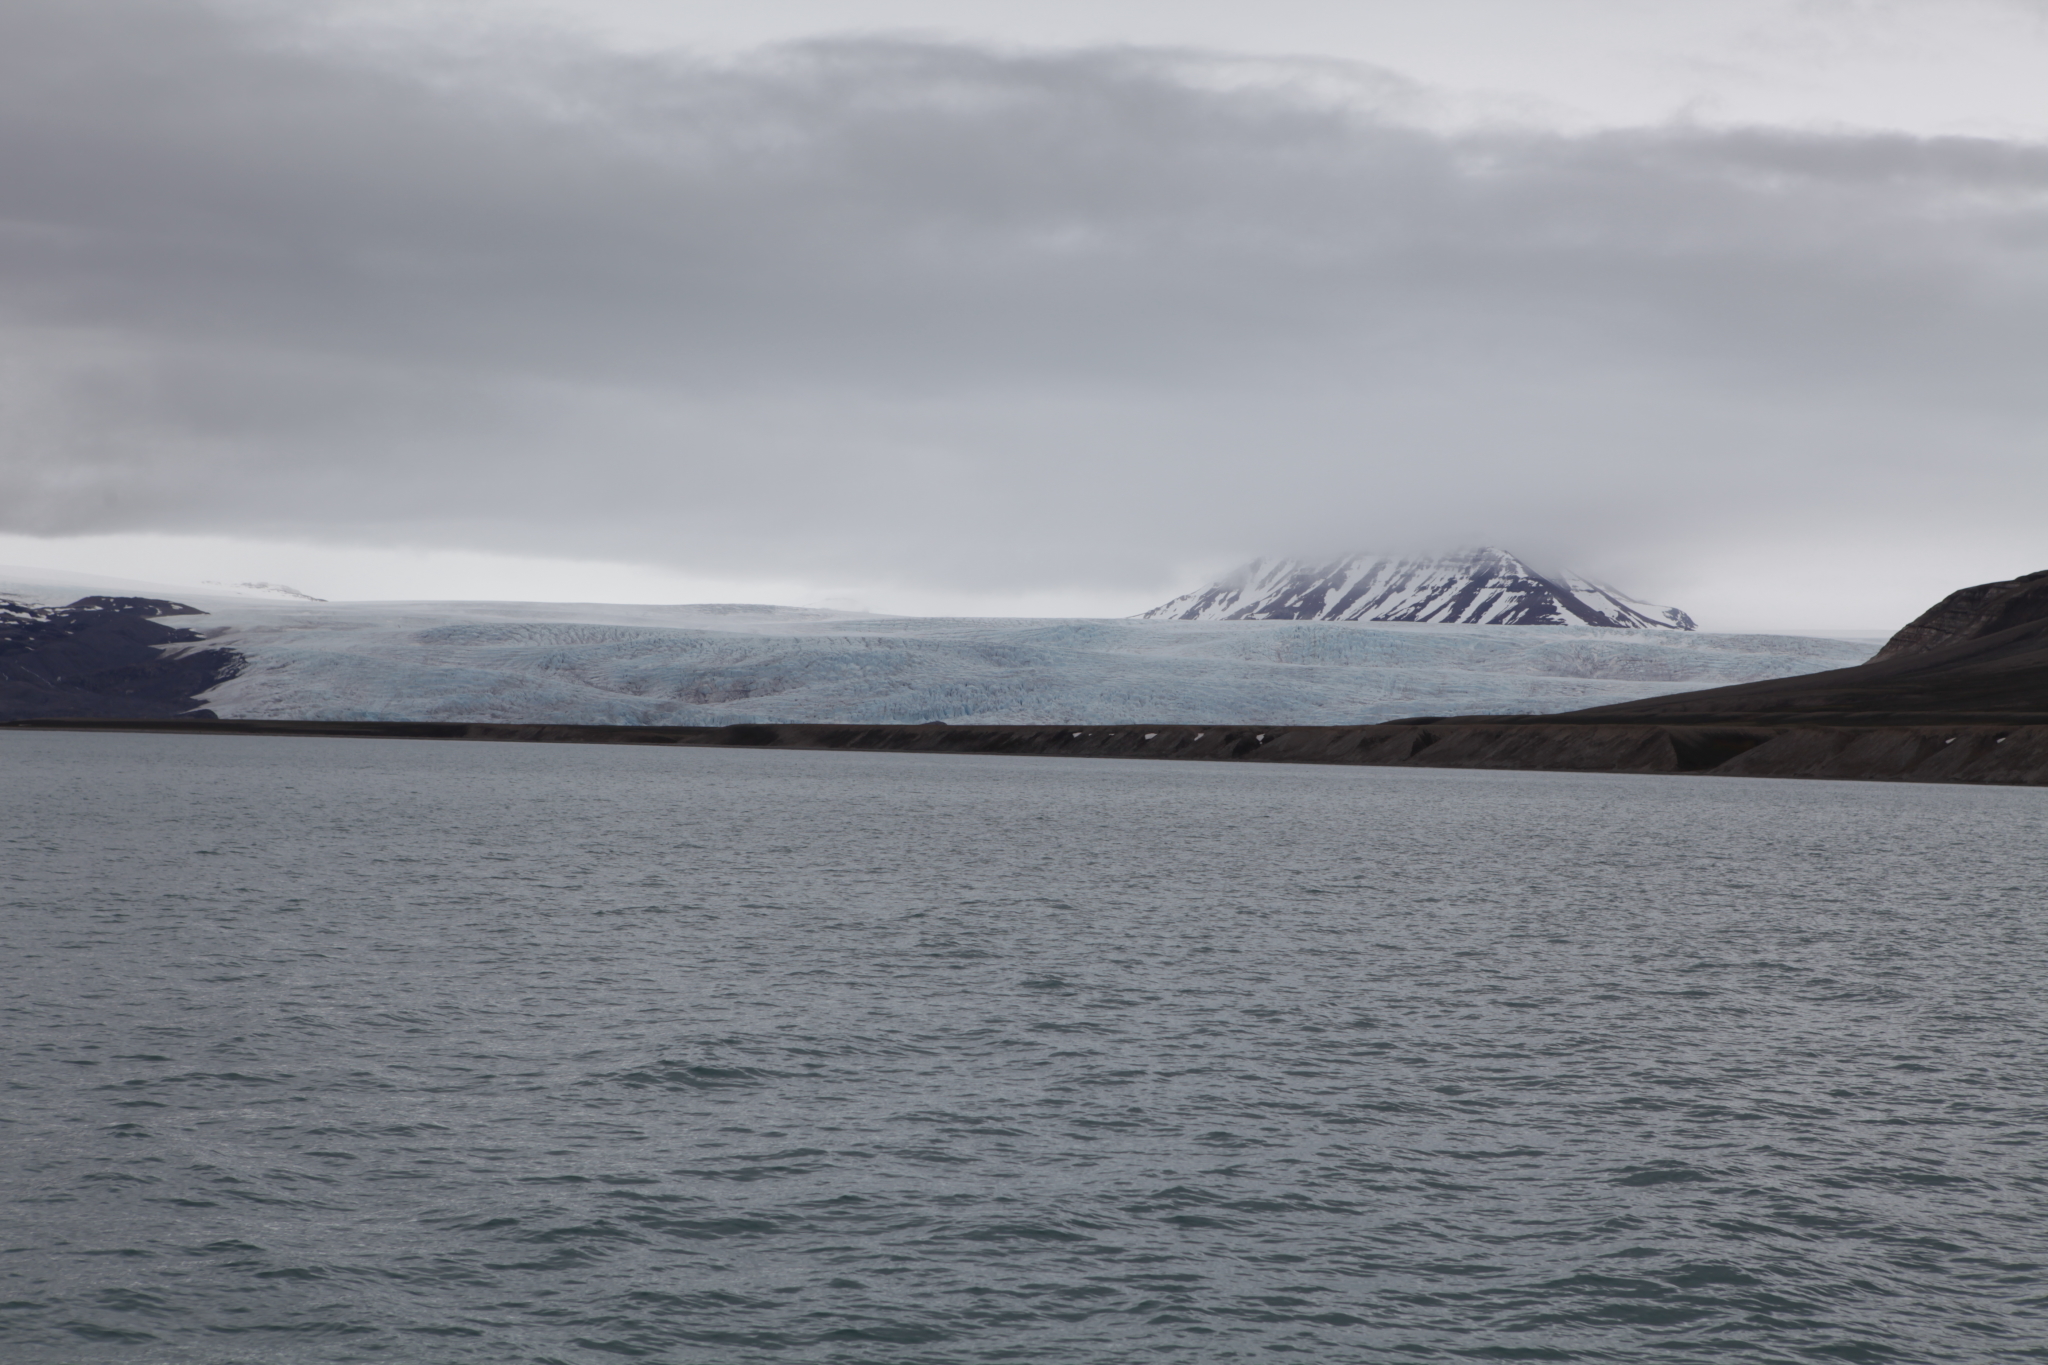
point(1975, 748)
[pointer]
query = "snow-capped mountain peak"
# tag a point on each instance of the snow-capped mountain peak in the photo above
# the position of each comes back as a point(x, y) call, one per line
point(1484, 586)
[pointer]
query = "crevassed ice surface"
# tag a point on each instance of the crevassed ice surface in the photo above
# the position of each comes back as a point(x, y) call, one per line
point(426, 665)
point(596, 664)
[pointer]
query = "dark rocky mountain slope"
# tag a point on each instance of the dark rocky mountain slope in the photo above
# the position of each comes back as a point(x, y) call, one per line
point(1971, 614)
point(1980, 651)
point(104, 656)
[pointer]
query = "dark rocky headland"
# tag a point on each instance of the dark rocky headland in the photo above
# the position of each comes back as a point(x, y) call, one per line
point(104, 656)
point(1958, 695)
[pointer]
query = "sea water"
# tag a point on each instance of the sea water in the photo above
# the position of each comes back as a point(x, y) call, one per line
point(356, 1050)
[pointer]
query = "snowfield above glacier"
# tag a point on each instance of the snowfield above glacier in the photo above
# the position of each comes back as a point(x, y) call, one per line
point(719, 664)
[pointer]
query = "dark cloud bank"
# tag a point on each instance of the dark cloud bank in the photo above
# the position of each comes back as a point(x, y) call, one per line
point(987, 317)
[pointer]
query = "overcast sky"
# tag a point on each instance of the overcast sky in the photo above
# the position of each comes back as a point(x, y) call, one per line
point(1046, 308)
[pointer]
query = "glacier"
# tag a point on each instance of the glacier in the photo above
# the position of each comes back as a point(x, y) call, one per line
point(721, 664)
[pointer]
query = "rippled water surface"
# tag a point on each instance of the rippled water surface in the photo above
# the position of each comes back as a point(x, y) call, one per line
point(322, 1050)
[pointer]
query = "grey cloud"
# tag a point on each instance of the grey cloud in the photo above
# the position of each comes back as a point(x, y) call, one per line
point(989, 317)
